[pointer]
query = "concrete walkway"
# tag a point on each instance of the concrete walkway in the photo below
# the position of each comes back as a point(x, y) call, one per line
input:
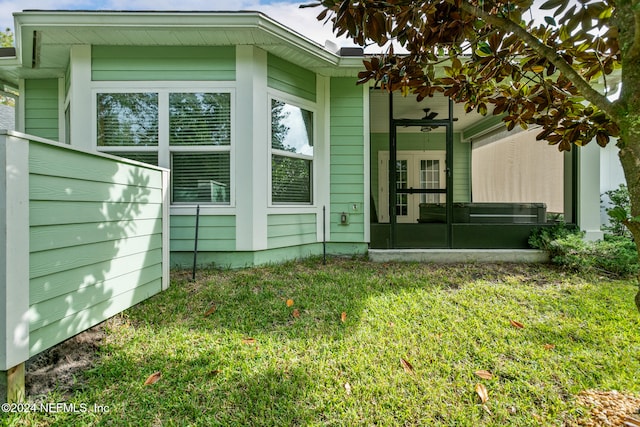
point(458, 255)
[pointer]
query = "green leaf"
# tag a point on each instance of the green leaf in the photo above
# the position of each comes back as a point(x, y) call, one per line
point(549, 20)
point(551, 4)
point(605, 14)
point(484, 50)
point(618, 213)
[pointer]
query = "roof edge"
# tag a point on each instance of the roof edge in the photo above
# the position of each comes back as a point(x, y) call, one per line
point(32, 19)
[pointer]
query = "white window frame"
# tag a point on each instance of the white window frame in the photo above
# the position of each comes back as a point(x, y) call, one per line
point(305, 105)
point(164, 150)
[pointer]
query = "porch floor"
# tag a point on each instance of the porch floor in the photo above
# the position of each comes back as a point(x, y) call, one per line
point(458, 255)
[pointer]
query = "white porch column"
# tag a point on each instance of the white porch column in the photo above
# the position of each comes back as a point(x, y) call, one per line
point(322, 156)
point(14, 265)
point(80, 97)
point(589, 191)
point(251, 148)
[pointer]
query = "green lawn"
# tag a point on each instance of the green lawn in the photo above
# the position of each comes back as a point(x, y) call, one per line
point(252, 362)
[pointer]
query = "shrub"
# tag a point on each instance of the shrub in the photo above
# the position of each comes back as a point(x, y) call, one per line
point(542, 237)
point(615, 255)
point(619, 211)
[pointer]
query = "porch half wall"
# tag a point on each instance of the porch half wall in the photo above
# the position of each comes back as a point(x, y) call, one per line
point(84, 237)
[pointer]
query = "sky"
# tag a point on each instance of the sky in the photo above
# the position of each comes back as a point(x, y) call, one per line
point(286, 12)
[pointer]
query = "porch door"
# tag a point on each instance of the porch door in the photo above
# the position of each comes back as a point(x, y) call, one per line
point(422, 215)
point(420, 170)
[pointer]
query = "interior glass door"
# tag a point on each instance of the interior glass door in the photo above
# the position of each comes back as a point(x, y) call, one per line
point(422, 170)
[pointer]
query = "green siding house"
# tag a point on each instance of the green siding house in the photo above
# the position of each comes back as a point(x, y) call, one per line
point(133, 127)
point(267, 135)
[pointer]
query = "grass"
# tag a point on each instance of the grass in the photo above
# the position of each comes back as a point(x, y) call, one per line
point(447, 321)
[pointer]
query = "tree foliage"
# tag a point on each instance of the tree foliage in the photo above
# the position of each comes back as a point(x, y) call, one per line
point(497, 59)
point(6, 38)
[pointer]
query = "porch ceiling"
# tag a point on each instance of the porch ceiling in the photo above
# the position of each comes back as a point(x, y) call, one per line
point(408, 108)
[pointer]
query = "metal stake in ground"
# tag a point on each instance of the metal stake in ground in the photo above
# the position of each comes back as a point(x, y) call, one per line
point(195, 244)
point(324, 235)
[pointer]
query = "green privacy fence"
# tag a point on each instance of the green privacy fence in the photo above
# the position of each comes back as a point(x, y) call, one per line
point(83, 236)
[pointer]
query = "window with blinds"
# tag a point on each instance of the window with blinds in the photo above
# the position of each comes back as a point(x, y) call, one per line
point(197, 145)
point(291, 154)
point(199, 119)
point(127, 119)
point(200, 146)
point(201, 177)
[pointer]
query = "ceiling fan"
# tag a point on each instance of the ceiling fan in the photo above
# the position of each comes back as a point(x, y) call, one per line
point(428, 116)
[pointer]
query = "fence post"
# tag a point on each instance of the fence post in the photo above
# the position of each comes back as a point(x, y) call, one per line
point(14, 265)
point(166, 241)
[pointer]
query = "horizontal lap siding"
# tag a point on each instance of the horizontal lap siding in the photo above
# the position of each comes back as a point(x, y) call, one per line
point(138, 63)
point(461, 169)
point(215, 233)
point(347, 160)
point(41, 108)
point(95, 240)
point(72, 324)
point(291, 230)
point(290, 78)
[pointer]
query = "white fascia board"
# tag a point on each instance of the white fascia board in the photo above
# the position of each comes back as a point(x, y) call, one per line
point(39, 20)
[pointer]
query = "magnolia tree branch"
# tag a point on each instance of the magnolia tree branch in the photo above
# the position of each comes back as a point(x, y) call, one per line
point(634, 51)
point(592, 95)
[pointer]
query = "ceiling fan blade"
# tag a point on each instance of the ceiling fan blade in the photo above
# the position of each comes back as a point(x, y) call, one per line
point(429, 115)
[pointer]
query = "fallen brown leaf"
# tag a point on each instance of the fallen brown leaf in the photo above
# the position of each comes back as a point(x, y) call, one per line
point(347, 388)
point(482, 393)
point(289, 302)
point(408, 367)
point(343, 317)
point(516, 324)
point(211, 310)
point(630, 421)
point(549, 346)
point(248, 341)
point(153, 378)
point(485, 375)
point(296, 313)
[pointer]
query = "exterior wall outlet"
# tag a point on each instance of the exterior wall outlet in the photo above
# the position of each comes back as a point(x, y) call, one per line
point(344, 218)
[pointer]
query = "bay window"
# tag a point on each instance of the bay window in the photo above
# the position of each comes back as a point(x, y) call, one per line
point(188, 132)
point(291, 154)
